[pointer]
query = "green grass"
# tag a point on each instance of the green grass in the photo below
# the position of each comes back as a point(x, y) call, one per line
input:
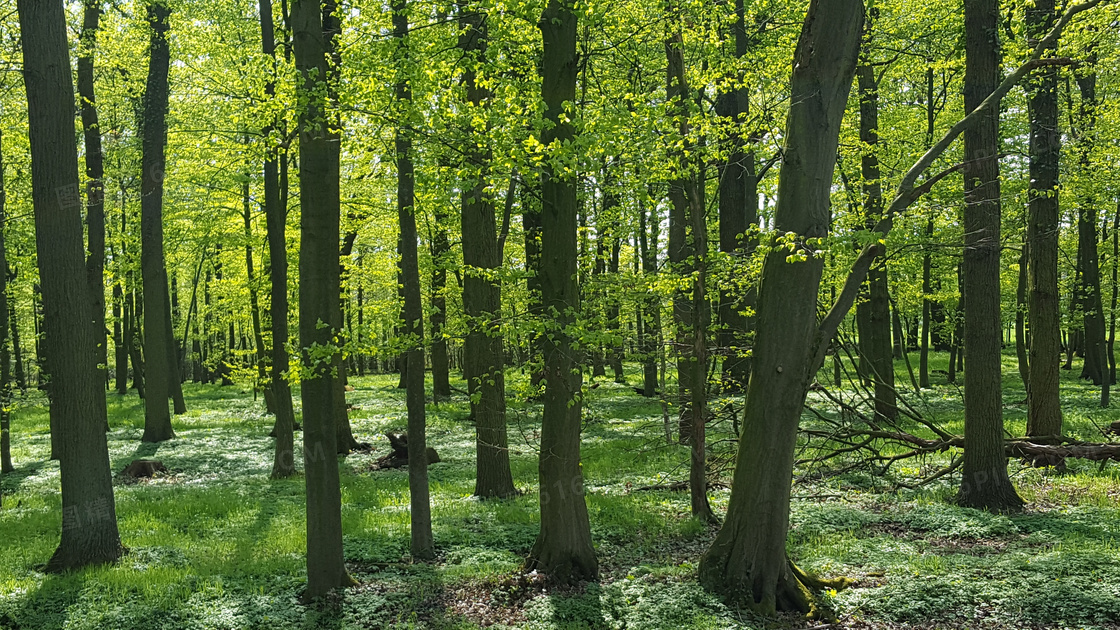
point(215, 544)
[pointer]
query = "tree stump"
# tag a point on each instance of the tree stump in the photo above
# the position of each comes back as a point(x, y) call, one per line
point(143, 469)
point(398, 456)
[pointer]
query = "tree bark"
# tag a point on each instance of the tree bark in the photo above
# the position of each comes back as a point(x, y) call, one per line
point(5, 355)
point(161, 368)
point(747, 561)
point(1044, 412)
point(563, 548)
point(483, 364)
point(422, 546)
point(89, 520)
point(1021, 306)
point(984, 480)
point(318, 306)
point(1096, 361)
point(650, 308)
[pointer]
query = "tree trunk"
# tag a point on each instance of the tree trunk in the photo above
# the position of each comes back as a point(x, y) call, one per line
point(161, 368)
point(318, 304)
point(422, 546)
point(1021, 306)
point(5, 356)
point(89, 520)
point(441, 254)
point(254, 305)
point(927, 311)
point(1115, 292)
point(531, 226)
point(563, 548)
point(747, 561)
point(94, 163)
point(1096, 362)
point(1044, 413)
point(984, 480)
point(482, 295)
point(650, 308)
point(877, 344)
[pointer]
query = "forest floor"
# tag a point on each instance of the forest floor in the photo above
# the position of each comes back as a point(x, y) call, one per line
point(216, 544)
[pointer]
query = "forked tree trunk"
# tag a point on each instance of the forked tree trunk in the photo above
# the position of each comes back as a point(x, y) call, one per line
point(161, 368)
point(1044, 413)
point(89, 519)
point(483, 363)
point(563, 548)
point(747, 561)
point(318, 302)
point(984, 480)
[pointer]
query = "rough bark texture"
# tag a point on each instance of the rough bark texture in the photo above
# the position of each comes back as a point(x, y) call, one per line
point(747, 561)
point(160, 365)
point(89, 519)
point(483, 364)
point(318, 309)
point(1044, 413)
point(563, 548)
point(422, 546)
point(984, 480)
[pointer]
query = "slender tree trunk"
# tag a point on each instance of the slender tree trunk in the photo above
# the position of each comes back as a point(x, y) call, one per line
point(89, 520)
point(927, 311)
point(531, 226)
point(318, 304)
point(441, 253)
point(1115, 291)
point(1021, 306)
point(160, 364)
point(984, 480)
point(650, 308)
point(747, 562)
point(563, 548)
point(1044, 413)
point(5, 356)
point(1096, 359)
point(254, 304)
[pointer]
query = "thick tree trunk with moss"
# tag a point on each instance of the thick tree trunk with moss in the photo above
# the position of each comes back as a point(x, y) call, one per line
point(563, 548)
point(483, 363)
point(159, 360)
point(747, 561)
point(89, 519)
point(318, 306)
point(984, 480)
point(1044, 413)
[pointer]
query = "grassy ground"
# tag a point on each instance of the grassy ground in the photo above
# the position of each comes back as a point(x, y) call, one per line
point(215, 544)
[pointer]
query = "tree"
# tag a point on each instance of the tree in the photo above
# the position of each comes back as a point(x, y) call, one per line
point(5, 356)
point(483, 364)
point(421, 508)
point(160, 367)
point(563, 548)
point(89, 519)
point(276, 211)
point(747, 561)
point(984, 480)
point(1044, 412)
point(318, 307)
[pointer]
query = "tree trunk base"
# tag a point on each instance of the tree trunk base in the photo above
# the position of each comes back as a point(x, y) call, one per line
point(794, 592)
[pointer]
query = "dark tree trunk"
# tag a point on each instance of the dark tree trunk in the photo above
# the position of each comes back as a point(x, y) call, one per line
point(254, 305)
point(747, 561)
point(482, 295)
point(318, 302)
point(89, 520)
point(1115, 292)
point(1096, 361)
point(563, 548)
point(441, 254)
point(1044, 413)
point(133, 340)
point(94, 163)
point(1021, 306)
point(5, 356)
point(738, 214)
point(984, 480)
point(161, 369)
point(650, 309)
point(531, 226)
point(120, 363)
point(422, 546)
point(875, 340)
point(927, 311)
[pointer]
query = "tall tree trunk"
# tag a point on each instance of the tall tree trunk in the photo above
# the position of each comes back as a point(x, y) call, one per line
point(5, 356)
point(161, 368)
point(318, 303)
point(738, 213)
point(563, 548)
point(254, 304)
point(89, 520)
point(531, 226)
point(483, 363)
point(94, 163)
point(441, 253)
point(876, 347)
point(1044, 413)
point(1021, 306)
point(927, 310)
point(984, 480)
point(1115, 292)
point(276, 214)
point(747, 561)
point(1096, 360)
point(650, 308)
